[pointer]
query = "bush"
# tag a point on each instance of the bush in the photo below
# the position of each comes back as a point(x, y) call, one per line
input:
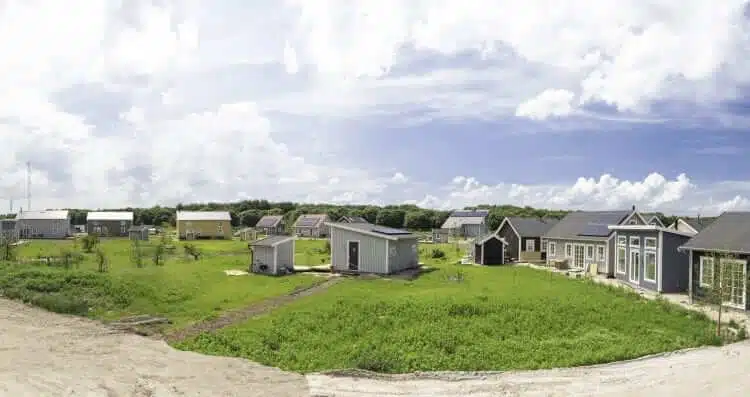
point(89, 242)
point(192, 250)
point(437, 253)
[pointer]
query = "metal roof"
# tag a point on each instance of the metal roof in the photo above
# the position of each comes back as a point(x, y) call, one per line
point(353, 219)
point(203, 216)
point(574, 225)
point(43, 215)
point(730, 232)
point(269, 221)
point(272, 241)
point(531, 227)
point(109, 216)
point(375, 230)
point(457, 221)
point(470, 213)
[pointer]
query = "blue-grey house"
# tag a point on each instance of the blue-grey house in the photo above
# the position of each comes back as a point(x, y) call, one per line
point(647, 256)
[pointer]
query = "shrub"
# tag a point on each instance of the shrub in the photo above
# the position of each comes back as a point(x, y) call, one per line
point(192, 250)
point(437, 253)
point(101, 261)
point(89, 242)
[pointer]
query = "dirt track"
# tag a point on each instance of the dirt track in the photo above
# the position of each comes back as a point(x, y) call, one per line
point(45, 354)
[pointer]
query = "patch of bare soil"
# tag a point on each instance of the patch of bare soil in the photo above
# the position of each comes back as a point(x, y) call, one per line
point(46, 354)
point(238, 316)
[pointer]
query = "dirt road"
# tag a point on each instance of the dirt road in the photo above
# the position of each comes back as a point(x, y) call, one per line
point(45, 354)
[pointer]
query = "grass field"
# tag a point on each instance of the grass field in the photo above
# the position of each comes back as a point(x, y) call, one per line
point(183, 289)
point(460, 318)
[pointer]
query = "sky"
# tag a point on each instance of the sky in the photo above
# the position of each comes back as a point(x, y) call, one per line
point(441, 103)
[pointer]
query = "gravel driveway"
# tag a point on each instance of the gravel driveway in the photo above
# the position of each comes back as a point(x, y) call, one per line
point(46, 354)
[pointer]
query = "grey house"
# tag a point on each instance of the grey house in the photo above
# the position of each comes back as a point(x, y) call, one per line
point(52, 224)
point(353, 219)
point(440, 235)
point(647, 256)
point(273, 255)
point(467, 223)
point(109, 223)
point(368, 248)
point(490, 250)
point(719, 254)
point(691, 225)
point(524, 237)
point(583, 238)
point(8, 230)
point(271, 225)
point(311, 225)
point(138, 233)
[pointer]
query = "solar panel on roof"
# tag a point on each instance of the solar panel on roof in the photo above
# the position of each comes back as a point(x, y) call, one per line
point(595, 230)
point(306, 222)
point(390, 231)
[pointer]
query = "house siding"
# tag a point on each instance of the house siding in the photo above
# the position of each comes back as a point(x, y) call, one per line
point(308, 231)
point(492, 252)
point(402, 255)
point(109, 228)
point(285, 256)
point(675, 264)
point(507, 233)
point(262, 256)
point(560, 252)
point(474, 230)
point(44, 228)
point(699, 292)
point(640, 281)
point(274, 231)
point(372, 251)
point(206, 228)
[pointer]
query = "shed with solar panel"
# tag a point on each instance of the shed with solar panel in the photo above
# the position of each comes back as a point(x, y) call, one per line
point(368, 248)
point(311, 225)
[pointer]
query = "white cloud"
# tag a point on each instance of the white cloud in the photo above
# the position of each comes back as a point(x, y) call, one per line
point(399, 178)
point(548, 103)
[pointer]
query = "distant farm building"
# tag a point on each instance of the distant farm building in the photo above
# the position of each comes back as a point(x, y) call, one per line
point(368, 248)
point(109, 223)
point(467, 223)
point(311, 225)
point(193, 225)
point(440, 235)
point(271, 225)
point(47, 224)
point(140, 233)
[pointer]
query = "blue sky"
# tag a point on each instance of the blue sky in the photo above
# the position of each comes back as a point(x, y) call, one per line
point(442, 104)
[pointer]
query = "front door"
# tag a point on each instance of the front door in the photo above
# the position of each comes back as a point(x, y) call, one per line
point(578, 257)
point(353, 256)
point(635, 266)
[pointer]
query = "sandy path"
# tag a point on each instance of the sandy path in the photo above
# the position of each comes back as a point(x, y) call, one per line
point(45, 354)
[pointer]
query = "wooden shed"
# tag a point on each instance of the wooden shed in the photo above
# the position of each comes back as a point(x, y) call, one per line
point(138, 233)
point(273, 255)
point(368, 248)
point(490, 250)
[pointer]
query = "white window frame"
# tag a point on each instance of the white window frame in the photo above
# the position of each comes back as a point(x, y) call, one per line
point(544, 245)
point(743, 264)
point(551, 248)
point(569, 250)
point(590, 250)
point(532, 245)
point(638, 267)
point(646, 240)
point(622, 240)
point(646, 254)
point(633, 221)
point(634, 241)
point(601, 253)
point(624, 257)
point(702, 270)
point(220, 228)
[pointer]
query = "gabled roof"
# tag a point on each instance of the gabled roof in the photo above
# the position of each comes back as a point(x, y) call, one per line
point(653, 220)
point(269, 221)
point(729, 233)
point(488, 237)
point(43, 215)
point(374, 230)
point(109, 216)
point(586, 225)
point(352, 219)
point(203, 216)
point(311, 220)
point(698, 223)
point(652, 228)
point(529, 227)
point(272, 241)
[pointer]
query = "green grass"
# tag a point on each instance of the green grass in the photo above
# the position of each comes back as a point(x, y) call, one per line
point(460, 318)
point(183, 290)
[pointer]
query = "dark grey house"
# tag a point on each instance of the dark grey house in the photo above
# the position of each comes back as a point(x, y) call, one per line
point(467, 223)
point(368, 248)
point(719, 254)
point(45, 224)
point(524, 237)
point(109, 223)
point(490, 250)
point(647, 256)
point(311, 225)
point(583, 238)
point(691, 225)
point(273, 255)
point(271, 225)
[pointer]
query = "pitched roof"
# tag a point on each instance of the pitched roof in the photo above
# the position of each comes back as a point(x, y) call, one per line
point(457, 221)
point(651, 217)
point(730, 232)
point(698, 223)
point(271, 241)
point(586, 224)
point(374, 230)
point(310, 220)
point(531, 227)
point(353, 219)
point(109, 216)
point(469, 213)
point(269, 221)
point(43, 215)
point(203, 216)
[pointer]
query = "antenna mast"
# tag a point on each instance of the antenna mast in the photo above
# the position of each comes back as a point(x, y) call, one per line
point(28, 185)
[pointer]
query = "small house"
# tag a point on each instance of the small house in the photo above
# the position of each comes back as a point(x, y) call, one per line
point(193, 225)
point(140, 233)
point(467, 223)
point(490, 250)
point(524, 238)
point(368, 248)
point(647, 256)
point(440, 235)
point(273, 255)
point(582, 239)
point(45, 224)
point(246, 234)
point(271, 225)
point(109, 223)
point(718, 256)
point(691, 225)
point(8, 230)
point(353, 219)
point(311, 225)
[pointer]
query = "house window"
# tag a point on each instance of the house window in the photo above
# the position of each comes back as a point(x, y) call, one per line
point(123, 227)
point(551, 249)
point(589, 252)
point(544, 245)
point(220, 228)
point(621, 260)
point(649, 242)
point(633, 222)
point(600, 253)
point(706, 273)
point(530, 245)
point(635, 241)
point(622, 240)
point(649, 273)
point(568, 250)
point(734, 281)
